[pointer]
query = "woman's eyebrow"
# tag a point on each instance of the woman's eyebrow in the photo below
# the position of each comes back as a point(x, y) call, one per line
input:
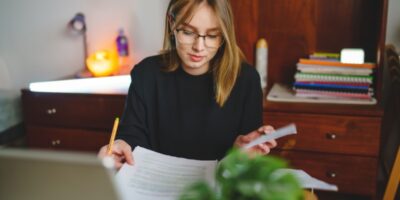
point(194, 28)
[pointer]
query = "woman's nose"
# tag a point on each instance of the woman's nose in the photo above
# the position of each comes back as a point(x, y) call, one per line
point(199, 44)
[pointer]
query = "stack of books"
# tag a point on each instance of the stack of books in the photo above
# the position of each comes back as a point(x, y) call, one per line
point(324, 76)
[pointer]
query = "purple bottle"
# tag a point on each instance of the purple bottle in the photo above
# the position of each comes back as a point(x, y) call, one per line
point(122, 44)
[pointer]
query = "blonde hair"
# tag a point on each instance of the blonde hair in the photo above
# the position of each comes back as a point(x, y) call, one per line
point(225, 65)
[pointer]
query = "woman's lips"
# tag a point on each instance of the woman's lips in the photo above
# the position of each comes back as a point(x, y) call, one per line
point(195, 58)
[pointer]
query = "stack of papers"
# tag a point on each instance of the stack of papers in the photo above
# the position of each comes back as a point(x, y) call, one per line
point(163, 177)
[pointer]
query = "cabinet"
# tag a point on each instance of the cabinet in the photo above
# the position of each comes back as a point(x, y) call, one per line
point(339, 144)
point(79, 122)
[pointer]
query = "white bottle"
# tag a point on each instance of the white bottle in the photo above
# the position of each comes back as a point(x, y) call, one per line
point(262, 61)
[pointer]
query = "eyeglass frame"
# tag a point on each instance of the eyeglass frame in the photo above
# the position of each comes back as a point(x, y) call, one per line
point(197, 36)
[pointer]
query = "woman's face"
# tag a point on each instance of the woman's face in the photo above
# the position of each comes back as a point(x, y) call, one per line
point(196, 52)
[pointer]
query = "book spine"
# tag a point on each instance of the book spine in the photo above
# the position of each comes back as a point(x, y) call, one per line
point(332, 77)
point(335, 63)
point(314, 93)
point(331, 86)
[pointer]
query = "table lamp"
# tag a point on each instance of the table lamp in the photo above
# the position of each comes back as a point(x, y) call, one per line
point(78, 24)
point(103, 63)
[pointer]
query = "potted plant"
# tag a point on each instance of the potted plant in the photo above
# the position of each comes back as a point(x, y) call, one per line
point(243, 177)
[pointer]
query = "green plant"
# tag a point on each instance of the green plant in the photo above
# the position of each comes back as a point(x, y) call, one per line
point(240, 177)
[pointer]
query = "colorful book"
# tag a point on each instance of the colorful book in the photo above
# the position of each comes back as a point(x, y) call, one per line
point(336, 63)
point(346, 90)
point(330, 86)
point(322, 58)
point(335, 83)
point(284, 93)
point(301, 77)
point(326, 55)
point(325, 69)
point(330, 94)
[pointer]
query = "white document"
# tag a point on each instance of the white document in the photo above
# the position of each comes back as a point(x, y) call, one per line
point(161, 177)
point(307, 181)
point(286, 130)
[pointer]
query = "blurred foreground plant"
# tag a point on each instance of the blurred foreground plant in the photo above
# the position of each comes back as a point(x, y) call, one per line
point(240, 177)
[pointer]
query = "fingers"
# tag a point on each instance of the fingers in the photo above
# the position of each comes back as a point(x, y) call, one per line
point(126, 151)
point(242, 140)
point(121, 153)
point(263, 148)
point(123, 150)
point(260, 149)
point(102, 152)
point(266, 129)
point(271, 144)
point(250, 136)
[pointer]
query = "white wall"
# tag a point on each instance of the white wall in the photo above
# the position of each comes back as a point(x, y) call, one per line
point(393, 24)
point(35, 44)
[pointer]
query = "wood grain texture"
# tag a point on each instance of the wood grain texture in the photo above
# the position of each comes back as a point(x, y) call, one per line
point(329, 134)
point(352, 174)
point(333, 109)
point(47, 137)
point(77, 122)
point(246, 20)
point(72, 110)
point(295, 29)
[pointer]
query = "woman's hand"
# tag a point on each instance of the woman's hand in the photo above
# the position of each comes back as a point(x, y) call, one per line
point(263, 148)
point(121, 153)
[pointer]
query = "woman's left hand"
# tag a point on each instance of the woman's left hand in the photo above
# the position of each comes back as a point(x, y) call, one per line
point(263, 148)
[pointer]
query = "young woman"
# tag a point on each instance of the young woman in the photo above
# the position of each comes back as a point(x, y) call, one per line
point(198, 98)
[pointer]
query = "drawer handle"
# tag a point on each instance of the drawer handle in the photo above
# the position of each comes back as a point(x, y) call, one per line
point(331, 174)
point(51, 111)
point(55, 142)
point(331, 136)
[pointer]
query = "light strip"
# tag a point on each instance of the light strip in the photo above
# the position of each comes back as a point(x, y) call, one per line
point(102, 85)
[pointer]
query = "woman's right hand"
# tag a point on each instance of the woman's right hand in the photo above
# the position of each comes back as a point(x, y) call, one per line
point(121, 153)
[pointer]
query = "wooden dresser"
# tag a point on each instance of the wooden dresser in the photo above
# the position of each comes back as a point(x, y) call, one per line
point(339, 144)
point(65, 121)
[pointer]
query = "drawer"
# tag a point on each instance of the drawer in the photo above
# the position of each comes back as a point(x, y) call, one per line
point(328, 133)
point(71, 110)
point(66, 139)
point(352, 174)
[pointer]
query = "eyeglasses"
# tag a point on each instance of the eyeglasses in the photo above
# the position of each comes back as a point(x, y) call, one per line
point(189, 37)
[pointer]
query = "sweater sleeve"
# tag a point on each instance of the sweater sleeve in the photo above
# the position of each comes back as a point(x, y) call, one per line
point(252, 112)
point(133, 128)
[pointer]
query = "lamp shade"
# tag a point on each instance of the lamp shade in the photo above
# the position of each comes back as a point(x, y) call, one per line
point(78, 23)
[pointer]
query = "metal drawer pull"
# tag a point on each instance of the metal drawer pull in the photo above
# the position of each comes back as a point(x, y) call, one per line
point(55, 142)
point(331, 136)
point(331, 174)
point(51, 111)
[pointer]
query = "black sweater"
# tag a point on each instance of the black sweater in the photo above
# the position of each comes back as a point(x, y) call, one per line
point(175, 113)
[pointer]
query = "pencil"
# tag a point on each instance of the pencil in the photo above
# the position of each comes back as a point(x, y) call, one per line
point(112, 138)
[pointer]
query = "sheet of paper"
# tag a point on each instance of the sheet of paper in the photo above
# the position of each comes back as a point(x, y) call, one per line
point(161, 177)
point(308, 181)
point(286, 130)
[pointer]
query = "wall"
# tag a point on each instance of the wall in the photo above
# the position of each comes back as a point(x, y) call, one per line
point(35, 44)
point(393, 24)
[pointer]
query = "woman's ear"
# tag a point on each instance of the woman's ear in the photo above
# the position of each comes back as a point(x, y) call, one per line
point(171, 20)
